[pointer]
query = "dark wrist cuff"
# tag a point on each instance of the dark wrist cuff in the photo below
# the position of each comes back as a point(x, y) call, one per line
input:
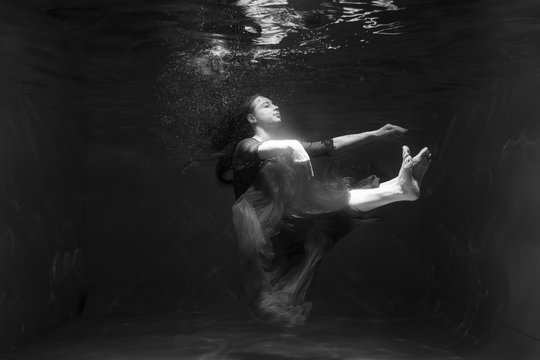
point(328, 146)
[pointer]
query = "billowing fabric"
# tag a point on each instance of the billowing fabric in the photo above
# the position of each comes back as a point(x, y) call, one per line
point(285, 222)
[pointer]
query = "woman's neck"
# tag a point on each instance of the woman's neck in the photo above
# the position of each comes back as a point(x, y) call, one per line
point(262, 134)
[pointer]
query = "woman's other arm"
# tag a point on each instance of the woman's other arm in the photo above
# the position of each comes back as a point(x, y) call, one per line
point(343, 143)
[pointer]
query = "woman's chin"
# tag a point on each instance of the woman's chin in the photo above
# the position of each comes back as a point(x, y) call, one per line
point(275, 123)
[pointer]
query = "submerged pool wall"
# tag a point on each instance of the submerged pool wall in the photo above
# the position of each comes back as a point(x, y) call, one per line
point(42, 168)
point(483, 216)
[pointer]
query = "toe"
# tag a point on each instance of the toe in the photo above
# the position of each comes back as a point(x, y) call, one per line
point(406, 151)
point(424, 152)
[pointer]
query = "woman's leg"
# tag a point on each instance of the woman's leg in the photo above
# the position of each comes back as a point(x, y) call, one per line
point(404, 187)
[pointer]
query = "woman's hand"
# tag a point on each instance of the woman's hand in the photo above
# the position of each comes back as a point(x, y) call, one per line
point(390, 130)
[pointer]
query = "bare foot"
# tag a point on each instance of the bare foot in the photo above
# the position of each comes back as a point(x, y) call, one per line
point(420, 164)
point(405, 179)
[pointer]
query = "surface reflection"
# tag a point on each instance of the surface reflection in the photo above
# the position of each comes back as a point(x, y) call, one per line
point(273, 20)
point(358, 11)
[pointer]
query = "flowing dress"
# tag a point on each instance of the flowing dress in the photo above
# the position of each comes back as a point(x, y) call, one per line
point(286, 221)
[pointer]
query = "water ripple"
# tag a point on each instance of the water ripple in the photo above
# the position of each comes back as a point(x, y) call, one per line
point(273, 20)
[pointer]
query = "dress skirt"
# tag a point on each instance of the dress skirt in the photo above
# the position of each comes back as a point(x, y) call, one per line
point(285, 223)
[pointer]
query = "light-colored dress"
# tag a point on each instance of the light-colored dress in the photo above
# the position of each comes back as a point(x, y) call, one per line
point(285, 222)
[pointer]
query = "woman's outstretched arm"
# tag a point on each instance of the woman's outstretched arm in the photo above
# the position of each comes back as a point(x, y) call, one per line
point(343, 143)
point(271, 148)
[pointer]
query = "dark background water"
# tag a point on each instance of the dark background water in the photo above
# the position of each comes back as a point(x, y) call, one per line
point(103, 101)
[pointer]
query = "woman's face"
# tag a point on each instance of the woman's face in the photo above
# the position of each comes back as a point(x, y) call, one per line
point(264, 112)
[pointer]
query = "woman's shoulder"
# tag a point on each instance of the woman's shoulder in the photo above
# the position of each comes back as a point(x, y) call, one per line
point(249, 140)
point(247, 144)
point(246, 151)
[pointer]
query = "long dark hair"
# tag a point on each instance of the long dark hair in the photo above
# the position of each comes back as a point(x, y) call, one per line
point(227, 133)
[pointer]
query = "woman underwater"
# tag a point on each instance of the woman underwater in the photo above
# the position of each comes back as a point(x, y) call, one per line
point(286, 219)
